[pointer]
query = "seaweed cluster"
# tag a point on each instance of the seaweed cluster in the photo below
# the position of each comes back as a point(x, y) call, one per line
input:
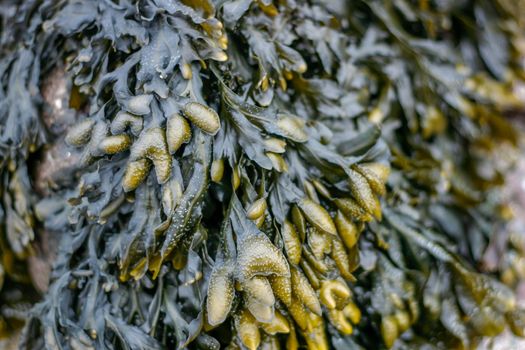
point(258, 174)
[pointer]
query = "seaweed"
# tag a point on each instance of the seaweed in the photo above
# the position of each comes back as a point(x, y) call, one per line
point(258, 174)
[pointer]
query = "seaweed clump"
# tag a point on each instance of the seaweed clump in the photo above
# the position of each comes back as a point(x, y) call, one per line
point(261, 174)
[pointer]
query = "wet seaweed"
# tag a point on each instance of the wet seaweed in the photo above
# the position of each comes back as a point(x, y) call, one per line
point(259, 174)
